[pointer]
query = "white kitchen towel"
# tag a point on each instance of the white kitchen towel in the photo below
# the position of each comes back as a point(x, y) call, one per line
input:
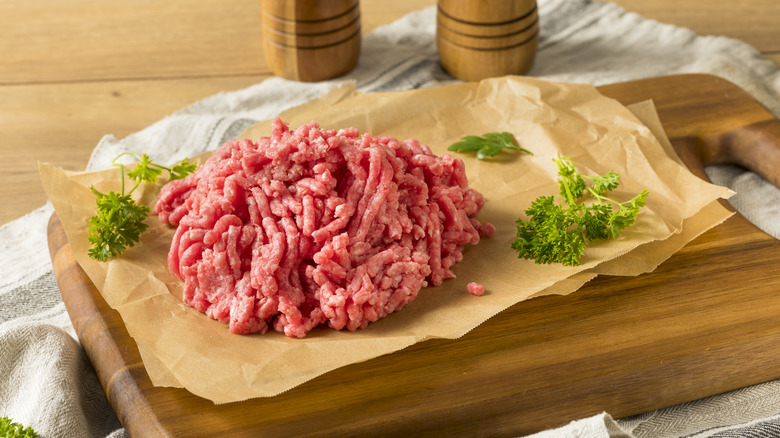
point(45, 374)
point(580, 41)
point(601, 425)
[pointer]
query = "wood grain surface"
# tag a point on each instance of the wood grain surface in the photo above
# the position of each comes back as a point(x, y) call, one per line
point(74, 71)
point(311, 41)
point(704, 322)
point(480, 39)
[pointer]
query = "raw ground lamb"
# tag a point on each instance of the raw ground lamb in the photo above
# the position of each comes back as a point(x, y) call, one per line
point(310, 226)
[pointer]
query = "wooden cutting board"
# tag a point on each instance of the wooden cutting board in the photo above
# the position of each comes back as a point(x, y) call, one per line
point(704, 322)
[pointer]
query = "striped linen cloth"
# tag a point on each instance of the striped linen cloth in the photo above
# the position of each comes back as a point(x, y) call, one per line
point(46, 380)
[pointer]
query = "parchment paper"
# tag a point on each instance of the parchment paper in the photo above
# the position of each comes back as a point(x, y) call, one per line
point(183, 348)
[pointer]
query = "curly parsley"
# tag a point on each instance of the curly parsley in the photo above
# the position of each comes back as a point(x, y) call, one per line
point(556, 233)
point(10, 429)
point(119, 222)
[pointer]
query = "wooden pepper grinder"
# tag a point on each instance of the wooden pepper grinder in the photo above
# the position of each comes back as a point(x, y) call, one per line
point(311, 40)
point(478, 39)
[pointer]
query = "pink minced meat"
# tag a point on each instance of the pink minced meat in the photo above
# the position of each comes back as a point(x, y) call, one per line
point(476, 289)
point(312, 226)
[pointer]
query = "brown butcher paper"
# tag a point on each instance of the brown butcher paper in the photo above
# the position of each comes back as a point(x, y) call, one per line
point(181, 347)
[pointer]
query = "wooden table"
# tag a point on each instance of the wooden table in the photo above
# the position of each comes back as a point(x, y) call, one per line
point(73, 71)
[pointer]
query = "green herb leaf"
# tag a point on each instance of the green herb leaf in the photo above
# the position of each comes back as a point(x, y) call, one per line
point(605, 183)
point(571, 182)
point(558, 233)
point(117, 226)
point(145, 171)
point(488, 145)
point(624, 217)
point(11, 429)
point(120, 221)
point(182, 169)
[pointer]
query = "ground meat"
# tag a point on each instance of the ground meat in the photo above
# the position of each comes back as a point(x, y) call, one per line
point(315, 226)
point(476, 289)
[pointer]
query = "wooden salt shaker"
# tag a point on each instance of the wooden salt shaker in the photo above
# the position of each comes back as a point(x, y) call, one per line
point(478, 39)
point(311, 40)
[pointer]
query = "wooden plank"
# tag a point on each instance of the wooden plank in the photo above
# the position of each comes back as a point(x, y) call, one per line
point(624, 345)
point(98, 40)
point(62, 123)
point(94, 40)
point(755, 21)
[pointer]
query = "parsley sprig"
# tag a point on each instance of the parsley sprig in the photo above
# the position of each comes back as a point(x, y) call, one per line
point(11, 429)
point(120, 220)
point(488, 145)
point(558, 233)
